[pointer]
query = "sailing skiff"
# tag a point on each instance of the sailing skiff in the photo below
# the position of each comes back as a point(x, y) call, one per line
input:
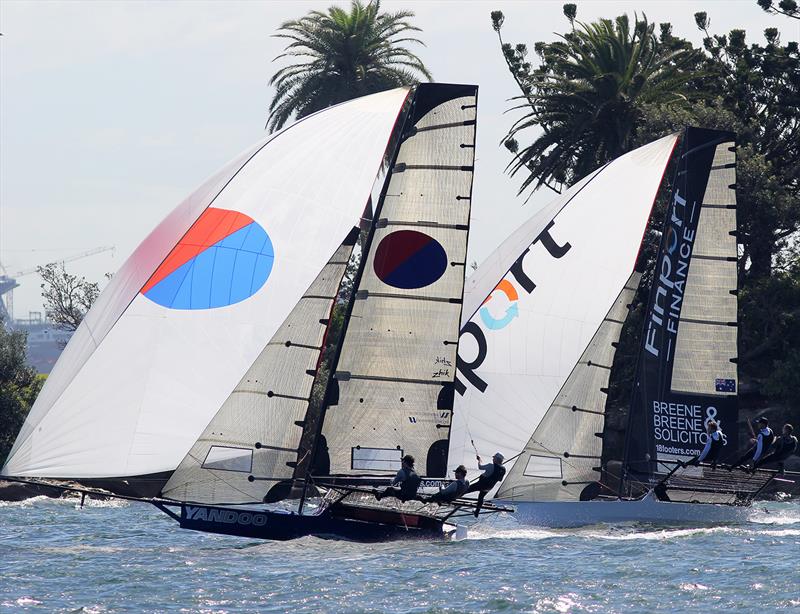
point(198, 368)
point(686, 373)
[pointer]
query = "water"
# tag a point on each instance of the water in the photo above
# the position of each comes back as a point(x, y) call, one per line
point(117, 557)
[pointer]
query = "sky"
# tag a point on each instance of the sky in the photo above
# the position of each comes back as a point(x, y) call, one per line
point(112, 112)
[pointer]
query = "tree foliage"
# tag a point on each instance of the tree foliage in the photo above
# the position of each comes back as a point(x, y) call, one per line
point(588, 94)
point(342, 55)
point(730, 83)
point(19, 386)
point(782, 7)
point(67, 297)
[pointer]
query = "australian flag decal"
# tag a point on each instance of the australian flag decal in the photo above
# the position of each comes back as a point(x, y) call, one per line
point(725, 385)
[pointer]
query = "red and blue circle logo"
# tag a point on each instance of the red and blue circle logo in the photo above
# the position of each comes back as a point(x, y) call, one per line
point(224, 258)
point(409, 260)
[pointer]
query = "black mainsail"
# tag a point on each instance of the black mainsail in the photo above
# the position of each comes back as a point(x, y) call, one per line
point(686, 374)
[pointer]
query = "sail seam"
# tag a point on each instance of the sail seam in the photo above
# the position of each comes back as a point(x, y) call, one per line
point(594, 364)
point(468, 122)
point(710, 322)
point(402, 167)
point(380, 378)
point(384, 223)
point(720, 258)
point(270, 394)
point(575, 408)
point(441, 299)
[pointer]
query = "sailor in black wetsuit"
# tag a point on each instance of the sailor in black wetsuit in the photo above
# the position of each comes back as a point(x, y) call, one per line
point(713, 446)
point(493, 473)
point(764, 440)
point(407, 480)
point(785, 446)
point(455, 489)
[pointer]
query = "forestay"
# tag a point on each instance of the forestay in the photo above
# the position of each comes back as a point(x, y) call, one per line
point(533, 306)
point(563, 454)
point(194, 306)
point(392, 393)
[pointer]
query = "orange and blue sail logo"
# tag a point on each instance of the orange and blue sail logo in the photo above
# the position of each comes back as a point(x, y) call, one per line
point(224, 258)
point(512, 311)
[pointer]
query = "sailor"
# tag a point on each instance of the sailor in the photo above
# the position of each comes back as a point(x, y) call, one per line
point(713, 446)
point(785, 446)
point(763, 441)
point(455, 489)
point(493, 473)
point(405, 483)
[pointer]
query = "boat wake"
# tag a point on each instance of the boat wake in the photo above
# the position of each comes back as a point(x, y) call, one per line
point(783, 521)
point(74, 502)
point(769, 515)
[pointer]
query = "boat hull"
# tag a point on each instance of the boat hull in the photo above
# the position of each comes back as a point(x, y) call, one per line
point(351, 524)
point(565, 514)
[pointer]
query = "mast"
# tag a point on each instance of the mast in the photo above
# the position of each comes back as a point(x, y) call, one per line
point(313, 423)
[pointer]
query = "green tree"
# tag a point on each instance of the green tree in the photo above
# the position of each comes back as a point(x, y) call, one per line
point(759, 85)
point(19, 386)
point(67, 297)
point(751, 88)
point(342, 55)
point(784, 7)
point(754, 90)
point(588, 94)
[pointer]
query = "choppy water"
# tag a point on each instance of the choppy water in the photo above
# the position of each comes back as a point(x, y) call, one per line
point(110, 557)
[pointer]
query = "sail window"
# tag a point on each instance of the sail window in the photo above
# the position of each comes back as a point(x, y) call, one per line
point(229, 459)
point(543, 467)
point(376, 459)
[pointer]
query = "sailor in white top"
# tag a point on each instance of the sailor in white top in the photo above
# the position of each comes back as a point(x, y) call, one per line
point(713, 446)
point(762, 445)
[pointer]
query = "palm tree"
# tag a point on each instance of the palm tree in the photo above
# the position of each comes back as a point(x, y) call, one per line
point(346, 55)
point(589, 94)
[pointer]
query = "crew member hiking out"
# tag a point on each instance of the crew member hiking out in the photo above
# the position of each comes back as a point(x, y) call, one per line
point(785, 446)
point(493, 474)
point(713, 447)
point(455, 489)
point(405, 483)
point(763, 441)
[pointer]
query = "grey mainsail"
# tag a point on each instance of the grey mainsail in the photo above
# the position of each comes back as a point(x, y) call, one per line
point(250, 446)
point(392, 392)
point(563, 454)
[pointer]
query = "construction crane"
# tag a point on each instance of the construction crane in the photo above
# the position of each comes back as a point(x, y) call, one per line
point(9, 282)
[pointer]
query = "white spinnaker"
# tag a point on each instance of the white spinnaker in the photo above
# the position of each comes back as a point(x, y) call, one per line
point(138, 382)
point(577, 252)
